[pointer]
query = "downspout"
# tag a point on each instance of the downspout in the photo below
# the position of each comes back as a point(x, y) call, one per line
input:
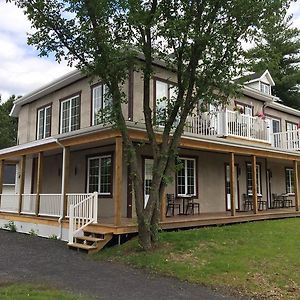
point(62, 189)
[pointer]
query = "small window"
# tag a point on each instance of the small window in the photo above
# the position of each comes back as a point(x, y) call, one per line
point(289, 180)
point(186, 177)
point(265, 88)
point(244, 108)
point(9, 177)
point(70, 114)
point(44, 122)
point(249, 179)
point(100, 175)
point(100, 101)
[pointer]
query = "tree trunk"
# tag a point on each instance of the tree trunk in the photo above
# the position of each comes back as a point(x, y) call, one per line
point(145, 234)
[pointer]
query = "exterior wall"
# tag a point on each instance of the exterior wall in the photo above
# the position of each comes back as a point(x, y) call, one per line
point(78, 178)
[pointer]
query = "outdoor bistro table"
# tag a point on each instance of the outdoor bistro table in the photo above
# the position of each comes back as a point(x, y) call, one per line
point(185, 200)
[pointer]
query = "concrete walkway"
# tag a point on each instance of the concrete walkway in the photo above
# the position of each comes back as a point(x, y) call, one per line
point(30, 259)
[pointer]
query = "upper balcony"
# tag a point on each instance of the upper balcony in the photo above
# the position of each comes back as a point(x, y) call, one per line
point(235, 125)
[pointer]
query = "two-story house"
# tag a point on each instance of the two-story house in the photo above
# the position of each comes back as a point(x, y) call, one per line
point(240, 163)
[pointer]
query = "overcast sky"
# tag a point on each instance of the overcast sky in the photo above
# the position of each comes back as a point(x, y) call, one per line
point(21, 70)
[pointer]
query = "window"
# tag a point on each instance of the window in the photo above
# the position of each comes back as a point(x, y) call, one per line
point(165, 94)
point(148, 168)
point(99, 102)
point(9, 177)
point(100, 175)
point(291, 126)
point(70, 114)
point(289, 180)
point(249, 179)
point(265, 88)
point(244, 108)
point(44, 122)
point(186, 177)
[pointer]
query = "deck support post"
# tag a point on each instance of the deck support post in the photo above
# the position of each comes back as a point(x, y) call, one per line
point(118, 173)
point(1, 177)
point(39, 182)
point(65, 180)
point(254, 185)
point(163, 206)
point(296, 184)
point(22, 181)
point(232, 184)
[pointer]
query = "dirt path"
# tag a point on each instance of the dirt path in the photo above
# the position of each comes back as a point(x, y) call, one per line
point(36, 260)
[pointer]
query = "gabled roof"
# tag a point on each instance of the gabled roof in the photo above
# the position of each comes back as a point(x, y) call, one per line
point(257, 76)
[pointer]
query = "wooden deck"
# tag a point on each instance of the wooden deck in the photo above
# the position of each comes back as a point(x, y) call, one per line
point(106, 225)
point(194, 221)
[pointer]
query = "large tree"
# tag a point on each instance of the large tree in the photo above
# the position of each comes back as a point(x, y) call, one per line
point(8, 124)
point(199, 40)
point(277, 49)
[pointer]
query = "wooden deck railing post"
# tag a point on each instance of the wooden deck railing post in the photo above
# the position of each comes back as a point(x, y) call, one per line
point(254, 185)
point(296, 183)
point(232, 184)
point(39, 183)
point(65, 179)
point(1, 177)
point(163, 206)
point(118, 172)
point(22, 181)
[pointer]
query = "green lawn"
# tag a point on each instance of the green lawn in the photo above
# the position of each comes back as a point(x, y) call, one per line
point(22, 292)
point(261, 258)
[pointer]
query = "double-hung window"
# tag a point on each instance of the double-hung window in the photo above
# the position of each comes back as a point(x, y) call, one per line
point(43, 122)
point(289, 180)
point(100, 101)
point(186, 177)
point(70, 114)
point(100, 175)
point(165, 95)
point(265, 88)
point(249, 179)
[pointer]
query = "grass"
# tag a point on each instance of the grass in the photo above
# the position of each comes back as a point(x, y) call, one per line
point(259, 258)
point(21, 291)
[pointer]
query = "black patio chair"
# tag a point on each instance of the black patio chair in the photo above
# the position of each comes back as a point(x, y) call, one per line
point(192, 205)
point(172, 205)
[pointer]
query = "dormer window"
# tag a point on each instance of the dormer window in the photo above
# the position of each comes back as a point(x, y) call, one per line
point(265, 88)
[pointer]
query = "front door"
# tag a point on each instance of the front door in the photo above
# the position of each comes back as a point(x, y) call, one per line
point(269, 191)
point(227, 187)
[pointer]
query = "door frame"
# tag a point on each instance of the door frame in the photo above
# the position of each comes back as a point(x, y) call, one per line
point(237, 186)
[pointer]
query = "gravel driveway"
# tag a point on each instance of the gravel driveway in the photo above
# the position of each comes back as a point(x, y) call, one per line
point(31, 259)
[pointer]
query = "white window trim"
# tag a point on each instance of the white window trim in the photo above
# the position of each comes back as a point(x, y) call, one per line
point(99, 180)
point(185, 159)
point(104, 103)
point(289, 187)
point(70, 116)
point(262, 88)
point(45, 120)
point(258, 182)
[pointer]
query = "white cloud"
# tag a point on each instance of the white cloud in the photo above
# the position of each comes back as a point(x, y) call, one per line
point(21, 70)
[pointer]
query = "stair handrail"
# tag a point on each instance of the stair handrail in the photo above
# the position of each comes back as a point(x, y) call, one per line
point(82, 214)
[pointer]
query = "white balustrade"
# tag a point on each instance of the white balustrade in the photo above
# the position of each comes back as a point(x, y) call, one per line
point(9, 203)
point(28, 203)
point(82, 213)
point(50, 205)
point(287, 140)
point(204, 124)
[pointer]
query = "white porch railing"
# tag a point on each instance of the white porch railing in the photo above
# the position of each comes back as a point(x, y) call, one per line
point(50, 205)
point(287, 140)
point(9, 203)
point(82, 213)
point(228, 123)
point(28, 203)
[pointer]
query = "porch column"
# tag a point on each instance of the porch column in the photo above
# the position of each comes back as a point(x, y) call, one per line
point(163, 206)
point(1, 177)
point(65, 179)
point(118, 172)
point(39, 181)
point(232, 184)
point(296, 183)
point(254, 184)
point(22, 181)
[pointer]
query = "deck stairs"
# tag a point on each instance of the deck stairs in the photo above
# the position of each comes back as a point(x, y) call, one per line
point(91, 241)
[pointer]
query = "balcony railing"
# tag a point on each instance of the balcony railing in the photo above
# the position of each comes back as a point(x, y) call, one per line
point(287, 140)
point(228, 123)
